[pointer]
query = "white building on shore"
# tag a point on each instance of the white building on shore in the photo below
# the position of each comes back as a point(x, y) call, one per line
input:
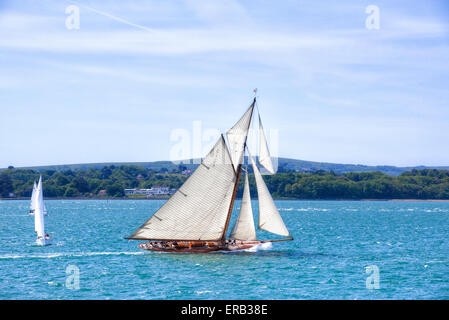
point(156, 191)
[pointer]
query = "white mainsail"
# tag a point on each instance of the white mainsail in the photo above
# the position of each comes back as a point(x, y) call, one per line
point(237, 136)
point(40, 197)
point(33, 199)
point(269, 218)
point(264, 153)
point(199, 209)
point(38, 213)
point(42, 238)
point(244, 227)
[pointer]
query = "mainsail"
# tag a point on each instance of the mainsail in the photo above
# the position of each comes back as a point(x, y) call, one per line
point(269, 218)
point(199, 208)
point(264, 153)
point(244, 227)
point(38, 212)
point(237, 136)
point(40, 197)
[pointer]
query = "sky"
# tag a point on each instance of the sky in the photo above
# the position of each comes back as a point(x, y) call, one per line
point(337, 81)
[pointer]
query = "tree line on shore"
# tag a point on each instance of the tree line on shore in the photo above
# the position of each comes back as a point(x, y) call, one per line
point(112, 180)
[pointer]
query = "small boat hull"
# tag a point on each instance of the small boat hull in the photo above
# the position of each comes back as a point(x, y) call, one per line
point(31, 213)
point(43, 241)
point(199, 246)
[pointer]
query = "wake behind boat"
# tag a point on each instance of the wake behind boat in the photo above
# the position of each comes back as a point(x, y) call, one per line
point(196, 218)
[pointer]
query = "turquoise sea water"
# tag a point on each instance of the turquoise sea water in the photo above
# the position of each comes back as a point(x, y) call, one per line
point(334, 243)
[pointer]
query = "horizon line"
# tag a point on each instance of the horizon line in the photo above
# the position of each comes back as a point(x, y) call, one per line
point(181, 162)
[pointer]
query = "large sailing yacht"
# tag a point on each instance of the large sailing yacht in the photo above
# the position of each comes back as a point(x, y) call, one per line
point(196, 218)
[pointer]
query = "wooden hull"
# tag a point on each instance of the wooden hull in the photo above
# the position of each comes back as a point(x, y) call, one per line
point(199, 246)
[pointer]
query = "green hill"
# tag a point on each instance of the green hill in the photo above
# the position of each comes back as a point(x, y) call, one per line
point(284, 165)
point(110, 181)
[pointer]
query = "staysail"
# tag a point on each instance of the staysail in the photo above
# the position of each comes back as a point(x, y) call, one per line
point(199, 208)
point(244, 227)
point(237, 136)
point(264, 153)
point(269, 218)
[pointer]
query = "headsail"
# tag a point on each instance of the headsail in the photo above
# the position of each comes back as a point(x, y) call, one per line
point(237, 136)
point(244, 226)
point(33, 198)
point(199, 209)
point(264, 153)
point(269, 218)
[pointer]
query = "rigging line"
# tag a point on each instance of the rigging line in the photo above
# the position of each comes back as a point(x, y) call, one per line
point(252, 128)
point(239, 171)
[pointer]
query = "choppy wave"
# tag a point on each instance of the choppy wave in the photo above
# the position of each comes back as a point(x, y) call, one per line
point(67, 254)
point(304, 209)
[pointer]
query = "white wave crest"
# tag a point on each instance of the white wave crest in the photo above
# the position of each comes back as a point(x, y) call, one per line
point(260, 246)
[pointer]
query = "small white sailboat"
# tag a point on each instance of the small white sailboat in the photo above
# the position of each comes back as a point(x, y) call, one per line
point(43, 239)
point(34, 199)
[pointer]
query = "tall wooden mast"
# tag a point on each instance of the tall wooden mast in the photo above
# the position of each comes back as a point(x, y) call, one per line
point(237, 179)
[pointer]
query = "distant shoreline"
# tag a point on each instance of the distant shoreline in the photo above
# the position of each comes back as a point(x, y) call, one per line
point(418, 200)
point(279, 199)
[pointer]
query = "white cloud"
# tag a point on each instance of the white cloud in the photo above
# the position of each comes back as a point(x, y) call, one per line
point(220, 12)
point(314, 80)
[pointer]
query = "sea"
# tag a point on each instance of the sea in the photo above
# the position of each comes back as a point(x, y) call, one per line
point(341, 250)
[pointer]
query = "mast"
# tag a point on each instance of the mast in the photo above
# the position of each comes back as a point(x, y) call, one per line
point(239, 171)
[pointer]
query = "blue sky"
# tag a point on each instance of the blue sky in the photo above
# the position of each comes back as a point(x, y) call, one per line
point(135, 71)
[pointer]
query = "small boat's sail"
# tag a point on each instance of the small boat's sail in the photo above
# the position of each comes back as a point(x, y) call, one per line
point(244, 227)
point(264, 153)
point(269, 218)
point(33, 199)
point(237, 136)
point(199, 209)
point(38, 197)
point(39, 225)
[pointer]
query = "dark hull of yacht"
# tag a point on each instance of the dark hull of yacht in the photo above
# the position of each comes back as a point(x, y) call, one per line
point(198, 246)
